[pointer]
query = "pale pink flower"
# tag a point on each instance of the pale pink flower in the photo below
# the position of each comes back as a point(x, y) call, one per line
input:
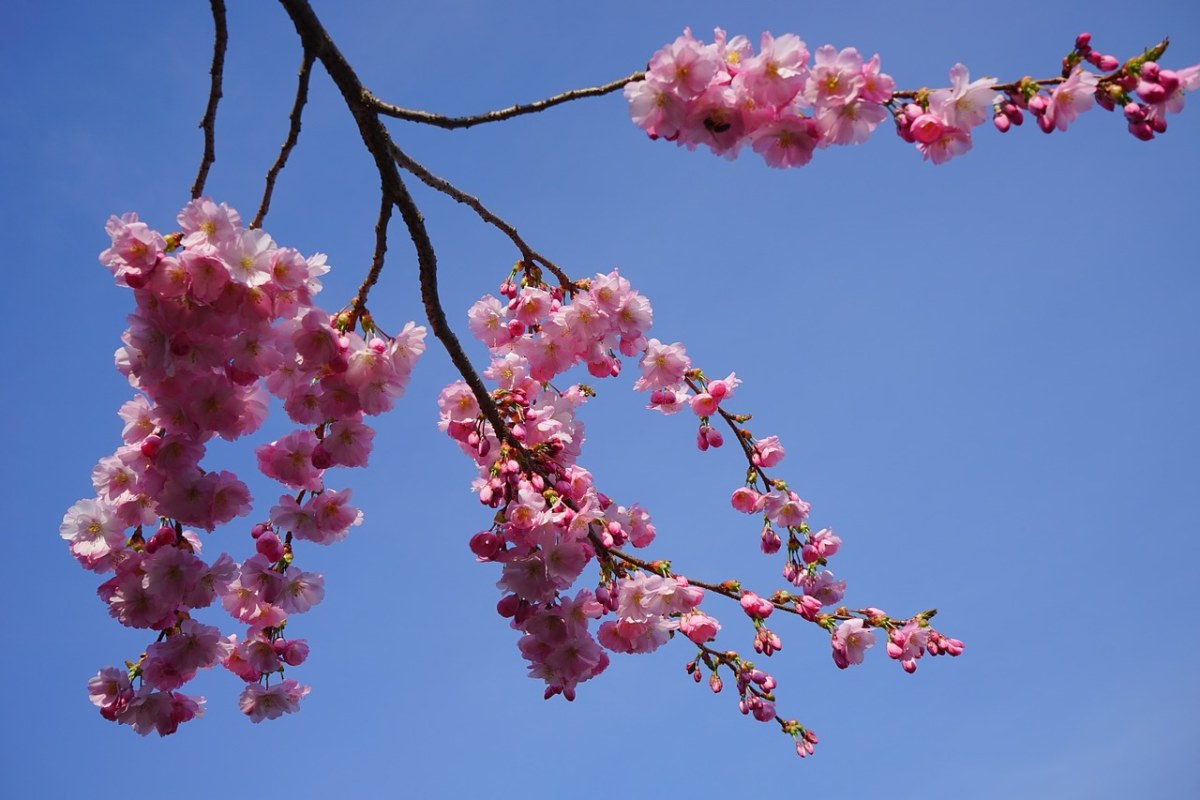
point(1071, 98)
point(778, 72)
point(850, 642)
point(966, 103)
point(662, 365)
point(787, 142)
point(261, 702)
point(685, 66)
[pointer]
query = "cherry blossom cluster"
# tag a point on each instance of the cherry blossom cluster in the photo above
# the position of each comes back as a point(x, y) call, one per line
point(724, 96)
point(223, 317)
point(675, 385)
point(551, 521)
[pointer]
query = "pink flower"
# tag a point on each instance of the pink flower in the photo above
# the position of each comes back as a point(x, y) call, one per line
point(685, 66)
point(1071, 98)
point(767, 452)
point(698, 626)
point(850, 642)
point(787, 142)
point(778, 72)
point(756, 606)
point(262, 702)
point(966, 104)
point(662, 365)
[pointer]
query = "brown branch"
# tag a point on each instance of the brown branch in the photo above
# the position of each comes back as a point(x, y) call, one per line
point(445, 187)
point(359, 306)
point(379, 144)
point(292, 136)
point(217, 71)
point(440, 121)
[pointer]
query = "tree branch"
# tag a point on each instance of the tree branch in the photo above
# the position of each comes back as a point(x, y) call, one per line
point(217, 71)
point(445, 187)
point(292, 136)
point(317, 40)
point(426, 118)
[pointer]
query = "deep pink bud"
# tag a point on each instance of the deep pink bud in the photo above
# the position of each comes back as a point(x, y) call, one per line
point(1169, 80)
point(508, 606)
point(321, 459)
point(1107, 63)
point(1046, 124)
point(701, 440)
point(1158, 124)
point(1083, 40)
point(295, 652)
point(770, 542)
point(714, 683)
point(1002, 122)
point(1151, 92)
point(163, 537)
point(516, 327)
point(1150, 71)
point(1142, 130)
point(1135, 112)
point(150, 445)
point(485, 545)
point(269, 546)
point(714, 437)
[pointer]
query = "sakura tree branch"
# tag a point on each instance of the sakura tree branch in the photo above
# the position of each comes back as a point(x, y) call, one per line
point(445, 187)
point(358, 307)
point(217, 71)
point(292, 136)
point(440, 121)
point(379, 144)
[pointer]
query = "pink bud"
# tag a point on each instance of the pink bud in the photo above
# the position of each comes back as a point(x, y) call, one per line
point(1158, 124)
point(269, 546)
point(1046, 124)
point(295, 652)
point(718, 390)
point(1083, 40)
point(714, 437)
point(163, 537)
point(508, 605)
point(770, 542)
point(321, 459)
point(485, 545)
point(1170, 81)
point(1107, 63)
point(1038, 104)
point(1151, 92)
point(701, 440)
point(714, 683)
point(516, 327)
point(746, 500)
point(1150, 71)
point(1142, 130)
point(1002, 122)
point(150, 445)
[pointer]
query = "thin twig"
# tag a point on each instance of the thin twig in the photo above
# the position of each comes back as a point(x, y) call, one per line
point(292, 136)
point(217, 71)
point(440, 121)
point(359, 306)
point(445, 187)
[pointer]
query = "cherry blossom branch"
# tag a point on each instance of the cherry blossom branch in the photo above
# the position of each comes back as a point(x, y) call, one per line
point(208, 122)
point(440, 121)
point(445, 187)
point(379, 144)
point(358, 307)
point(292, 136)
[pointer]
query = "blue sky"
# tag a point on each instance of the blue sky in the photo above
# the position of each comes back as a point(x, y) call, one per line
point(984, 373)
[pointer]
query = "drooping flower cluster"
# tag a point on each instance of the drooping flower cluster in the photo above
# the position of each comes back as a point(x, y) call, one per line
point(551, 519)
point(223, 317)
point(724, 96)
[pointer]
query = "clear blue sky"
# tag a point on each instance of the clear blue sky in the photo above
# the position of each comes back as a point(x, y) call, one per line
point(985, 374)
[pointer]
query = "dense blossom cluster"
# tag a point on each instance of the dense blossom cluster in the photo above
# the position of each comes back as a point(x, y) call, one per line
point(724, 96)
point(551, 521)
point(224, 318)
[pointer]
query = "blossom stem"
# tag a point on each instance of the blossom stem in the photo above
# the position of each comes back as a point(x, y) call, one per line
point(292, 136)
point(217, 71)
point(440, 121)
